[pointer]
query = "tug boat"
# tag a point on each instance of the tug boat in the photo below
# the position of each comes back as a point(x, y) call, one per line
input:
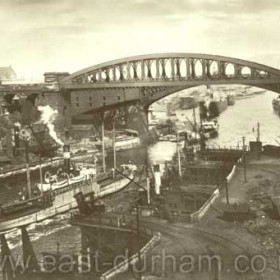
point(56, 194)
point(210, 129)
point(276, 104)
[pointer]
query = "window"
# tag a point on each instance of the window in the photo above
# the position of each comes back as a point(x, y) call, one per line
point(104, 98)
point(119, 98)
point(90, 104)
point(90, 98)
point(77, 104)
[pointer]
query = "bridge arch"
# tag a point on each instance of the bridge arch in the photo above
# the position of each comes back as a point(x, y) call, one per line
point(148, 78)
point(153, 68)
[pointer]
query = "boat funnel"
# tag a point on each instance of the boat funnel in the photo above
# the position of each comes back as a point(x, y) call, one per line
point(157, 176)
point(66, 157)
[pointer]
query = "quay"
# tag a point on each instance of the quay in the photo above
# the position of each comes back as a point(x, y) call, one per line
point(217, 201)
point(209, 233)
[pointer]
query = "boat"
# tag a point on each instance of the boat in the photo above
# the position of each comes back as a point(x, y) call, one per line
point(56, 194)
point(276, 104)
point(217, 106)
point(124, 139)
point(257, 92)
point(231, 99)
point(168, 137)
point(248, 93)
point(193, 138)
point(210, 129)
point(182, 104)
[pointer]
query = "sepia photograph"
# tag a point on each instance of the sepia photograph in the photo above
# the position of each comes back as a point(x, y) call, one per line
point(140, 140)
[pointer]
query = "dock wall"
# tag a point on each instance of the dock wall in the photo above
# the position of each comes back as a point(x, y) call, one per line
point(198, 215)
point(123, 266)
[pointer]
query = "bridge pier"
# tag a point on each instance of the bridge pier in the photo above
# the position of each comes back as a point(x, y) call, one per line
point(29, 256)
point(8, 270)
point(24, 266)
point(106, 246)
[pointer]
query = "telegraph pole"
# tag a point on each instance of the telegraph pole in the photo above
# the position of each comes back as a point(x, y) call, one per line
point(244, 159)
point(138, 241)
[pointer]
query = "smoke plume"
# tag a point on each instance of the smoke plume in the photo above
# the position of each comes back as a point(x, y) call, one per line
point(48, 115)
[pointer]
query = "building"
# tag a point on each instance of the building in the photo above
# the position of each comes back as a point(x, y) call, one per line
point(54, 77)
point(7, 74)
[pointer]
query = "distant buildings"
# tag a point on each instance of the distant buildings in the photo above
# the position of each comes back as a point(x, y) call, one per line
point(54, 77)
point(7, 74)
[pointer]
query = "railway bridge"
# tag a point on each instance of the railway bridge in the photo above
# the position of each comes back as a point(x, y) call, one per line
point(127, 86)
point(137, 82)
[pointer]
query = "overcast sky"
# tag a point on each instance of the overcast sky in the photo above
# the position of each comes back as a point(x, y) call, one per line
point(68, 35)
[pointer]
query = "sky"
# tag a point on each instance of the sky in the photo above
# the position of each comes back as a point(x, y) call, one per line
point(68, 35)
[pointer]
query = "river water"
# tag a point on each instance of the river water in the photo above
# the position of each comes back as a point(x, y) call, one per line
point(237, 121)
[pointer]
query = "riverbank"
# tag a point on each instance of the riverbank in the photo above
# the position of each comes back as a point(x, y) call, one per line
point(260, 235)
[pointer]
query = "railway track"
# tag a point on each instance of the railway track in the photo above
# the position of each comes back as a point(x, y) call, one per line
point(196, 241)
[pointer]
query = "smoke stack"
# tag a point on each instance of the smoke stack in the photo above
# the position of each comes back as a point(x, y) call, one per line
point(66, 157)
point(157, 176)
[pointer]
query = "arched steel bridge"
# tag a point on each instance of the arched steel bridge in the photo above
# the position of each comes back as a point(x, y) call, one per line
point(148, 78)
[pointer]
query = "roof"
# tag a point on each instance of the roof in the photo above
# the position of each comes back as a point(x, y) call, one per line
point(7, 71)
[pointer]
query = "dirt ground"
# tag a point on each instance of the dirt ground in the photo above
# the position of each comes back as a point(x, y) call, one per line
point(261, 235)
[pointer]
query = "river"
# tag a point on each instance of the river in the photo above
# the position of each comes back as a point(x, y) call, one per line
point(237, 121)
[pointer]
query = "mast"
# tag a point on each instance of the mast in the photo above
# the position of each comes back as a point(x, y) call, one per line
point(29, 195)
point(103, 145)
point(114, 147)
point(178, 152)
point(41, 175)
point(194, 120)
point(258, 132)
point(114, 144)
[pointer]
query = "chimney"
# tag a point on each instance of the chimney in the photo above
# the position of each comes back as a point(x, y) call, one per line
point(66, 157)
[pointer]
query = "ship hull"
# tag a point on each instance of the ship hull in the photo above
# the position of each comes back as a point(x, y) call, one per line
point(231, 100)
point(217, 107)
point(63, 203)
point(276, 106)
